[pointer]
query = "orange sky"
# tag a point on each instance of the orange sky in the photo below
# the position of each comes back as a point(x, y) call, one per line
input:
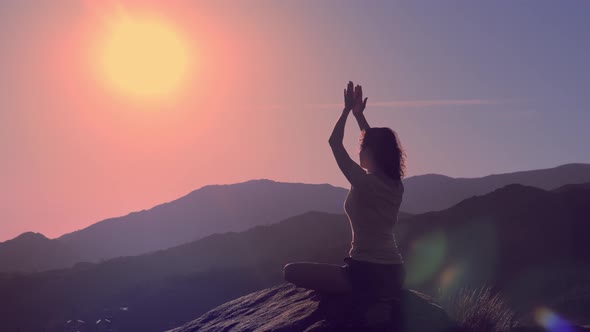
point(85, 146)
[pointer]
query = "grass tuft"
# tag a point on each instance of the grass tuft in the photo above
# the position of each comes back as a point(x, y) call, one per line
point(479, 310)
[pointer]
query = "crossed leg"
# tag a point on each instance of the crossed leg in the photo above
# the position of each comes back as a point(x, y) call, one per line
point(330, 278)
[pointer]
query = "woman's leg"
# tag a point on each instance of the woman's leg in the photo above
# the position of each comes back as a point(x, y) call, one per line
point(330, 278)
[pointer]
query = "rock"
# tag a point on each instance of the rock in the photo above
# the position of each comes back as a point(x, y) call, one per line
point(287, 308)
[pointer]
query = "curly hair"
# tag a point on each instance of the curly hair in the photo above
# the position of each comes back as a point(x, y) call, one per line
point(386, 150)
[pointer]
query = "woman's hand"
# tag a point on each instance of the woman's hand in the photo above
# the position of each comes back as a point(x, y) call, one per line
point(359, 104)
point(349, 97)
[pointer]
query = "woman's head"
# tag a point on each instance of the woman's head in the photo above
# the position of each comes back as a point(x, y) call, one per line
point(380, 150)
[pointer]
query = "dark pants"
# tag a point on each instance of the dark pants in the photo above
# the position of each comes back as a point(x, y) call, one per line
point(375, 280)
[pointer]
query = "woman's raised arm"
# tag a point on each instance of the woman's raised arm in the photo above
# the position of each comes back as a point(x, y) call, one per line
point(338, 131)
point(351, 170)
point(359, 107)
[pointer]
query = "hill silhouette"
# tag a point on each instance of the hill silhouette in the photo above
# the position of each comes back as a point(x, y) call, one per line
point(433, 192)
point(32, 252)
point(527, 242)
point(208, 210)
point(235, 207)
point(166, 288)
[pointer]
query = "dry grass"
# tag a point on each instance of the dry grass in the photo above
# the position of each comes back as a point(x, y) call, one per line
point(479, 310)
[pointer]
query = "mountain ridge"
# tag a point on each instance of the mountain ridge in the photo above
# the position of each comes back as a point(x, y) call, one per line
point(207, 210)
point(193, 215)
point(434, 192)
point(175, 285)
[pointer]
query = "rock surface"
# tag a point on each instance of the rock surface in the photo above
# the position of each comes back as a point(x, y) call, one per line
point(289, 308)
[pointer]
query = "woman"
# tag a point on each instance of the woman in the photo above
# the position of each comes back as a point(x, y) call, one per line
point(374, 266)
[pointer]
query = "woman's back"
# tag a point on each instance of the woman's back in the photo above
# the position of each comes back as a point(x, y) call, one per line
point(372, 207)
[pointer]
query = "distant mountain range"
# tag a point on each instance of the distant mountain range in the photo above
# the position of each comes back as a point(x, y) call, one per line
point(528, 242)
point(433, 192)
point(221, 208)
point(524, 239)
point(174, 284)
point(208, 210)
point(31, 251)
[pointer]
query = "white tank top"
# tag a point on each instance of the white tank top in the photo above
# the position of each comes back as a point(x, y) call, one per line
point(372, 208)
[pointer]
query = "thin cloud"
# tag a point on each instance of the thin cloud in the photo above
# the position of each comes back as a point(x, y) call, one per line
point(438, 102)
point(399, 104)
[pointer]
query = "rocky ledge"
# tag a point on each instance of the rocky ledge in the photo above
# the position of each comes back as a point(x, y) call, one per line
point(287, 308)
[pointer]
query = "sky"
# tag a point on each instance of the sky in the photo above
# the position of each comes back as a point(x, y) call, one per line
point(471, 88)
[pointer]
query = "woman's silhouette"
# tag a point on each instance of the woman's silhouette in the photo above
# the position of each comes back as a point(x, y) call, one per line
point(374, 266)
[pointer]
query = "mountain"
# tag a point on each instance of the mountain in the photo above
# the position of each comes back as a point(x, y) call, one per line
point(166, 288)
point(208, 210)
point(433, 192)
point(31, 252)
point(235, 207)
point(529, 243)
point(573, 186)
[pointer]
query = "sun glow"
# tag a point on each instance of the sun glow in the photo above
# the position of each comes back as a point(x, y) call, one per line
point(143, 57)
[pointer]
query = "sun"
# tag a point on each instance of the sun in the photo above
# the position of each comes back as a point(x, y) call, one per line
point(143, 57)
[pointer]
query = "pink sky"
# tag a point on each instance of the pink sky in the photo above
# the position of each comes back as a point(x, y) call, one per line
point(261, 103)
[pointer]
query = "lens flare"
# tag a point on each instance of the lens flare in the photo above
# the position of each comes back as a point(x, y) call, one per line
point(450, 277)
point(551, 321)
point(427, 255)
